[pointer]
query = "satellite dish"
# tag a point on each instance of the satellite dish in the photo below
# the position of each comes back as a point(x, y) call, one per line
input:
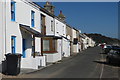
point(68, 36)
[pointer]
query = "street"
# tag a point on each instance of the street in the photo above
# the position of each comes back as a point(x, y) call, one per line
point(87, 64)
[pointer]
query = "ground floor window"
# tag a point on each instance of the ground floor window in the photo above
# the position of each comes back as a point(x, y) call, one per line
point(46, 44)
point(13, 44)
point(49, 45)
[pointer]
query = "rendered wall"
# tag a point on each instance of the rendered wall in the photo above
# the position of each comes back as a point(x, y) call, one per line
point(75, 48)
point(48, 20)
point(33, 63)
point(66, 48)
point(60, 28)
point(54, 57)
point(23, 16)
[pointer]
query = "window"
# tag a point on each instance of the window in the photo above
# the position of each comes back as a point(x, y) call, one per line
point(52, 26)
point(13, 10)
point(46, 44)
point(43, 26)
point(13, 44)
point(42, 20)
point(32, 18)
point(63, 31)
point(75, 41)
point(49, 45)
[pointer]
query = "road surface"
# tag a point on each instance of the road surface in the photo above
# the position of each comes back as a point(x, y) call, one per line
point(87, 64)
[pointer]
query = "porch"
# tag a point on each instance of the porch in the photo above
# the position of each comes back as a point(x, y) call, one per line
point(31, 50)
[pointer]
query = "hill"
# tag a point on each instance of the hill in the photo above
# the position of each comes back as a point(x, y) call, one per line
point(98, 38)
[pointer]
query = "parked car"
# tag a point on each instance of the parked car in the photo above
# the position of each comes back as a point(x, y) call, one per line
point(107, 48)
point(115, 47)
point(113, 56)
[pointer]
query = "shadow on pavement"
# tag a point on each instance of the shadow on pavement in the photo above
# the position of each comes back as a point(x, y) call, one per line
point(103, 53)
point(105, 63)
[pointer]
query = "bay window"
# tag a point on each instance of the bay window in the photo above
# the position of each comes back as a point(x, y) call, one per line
point(49, 45)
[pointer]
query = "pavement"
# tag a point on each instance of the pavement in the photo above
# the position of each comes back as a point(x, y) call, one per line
point(88, 64)
point(27, 71)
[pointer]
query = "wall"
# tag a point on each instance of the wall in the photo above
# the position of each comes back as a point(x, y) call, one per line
point(23, 16)
point(48, 20)
point(33, 63)
point(1, 30)
point(60, 28)
point(69, 32)
point(74, 34)
point(75, 48)
point(37, 44)
point(66, 48)
point(1, 35)
point(54, 57)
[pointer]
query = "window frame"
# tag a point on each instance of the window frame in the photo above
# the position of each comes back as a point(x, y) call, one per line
point(75, 41)
point(52, 25)
point(13, 10)
point(52, 49)
point(13, 45)
point(32, 18)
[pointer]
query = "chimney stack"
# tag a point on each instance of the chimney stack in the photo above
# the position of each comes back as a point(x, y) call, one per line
point(61, 16)
point(49, 7)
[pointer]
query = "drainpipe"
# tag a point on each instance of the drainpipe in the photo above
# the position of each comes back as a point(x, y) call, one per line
point(5, 26)
point(2, 39)
point(41, 46)
point(34, 46)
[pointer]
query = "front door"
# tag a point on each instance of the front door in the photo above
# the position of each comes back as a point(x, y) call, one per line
point(24, 48)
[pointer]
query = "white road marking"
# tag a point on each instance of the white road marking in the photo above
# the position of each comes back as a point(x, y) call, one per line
point(102, 69)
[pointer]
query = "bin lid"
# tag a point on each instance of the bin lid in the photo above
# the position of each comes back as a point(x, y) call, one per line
point(11, 54)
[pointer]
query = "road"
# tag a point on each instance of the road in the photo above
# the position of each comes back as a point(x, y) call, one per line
point(88, 64)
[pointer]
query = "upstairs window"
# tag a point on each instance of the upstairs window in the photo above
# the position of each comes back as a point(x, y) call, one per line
point(63, 31)
point(75, 41)
point(52, 26)
point(13, 10)
point(32, 18)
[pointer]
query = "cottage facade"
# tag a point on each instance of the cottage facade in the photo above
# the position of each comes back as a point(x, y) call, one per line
point(23, 31)
point(37, 34)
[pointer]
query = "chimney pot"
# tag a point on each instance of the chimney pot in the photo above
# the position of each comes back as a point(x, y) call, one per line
point(60, 11)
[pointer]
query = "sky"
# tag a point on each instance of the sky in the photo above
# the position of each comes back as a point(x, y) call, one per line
point(90, 17)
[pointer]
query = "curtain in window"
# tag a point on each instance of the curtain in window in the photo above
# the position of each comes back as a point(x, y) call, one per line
point(46, 45)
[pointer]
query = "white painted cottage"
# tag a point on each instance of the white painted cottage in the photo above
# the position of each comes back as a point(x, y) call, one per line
point(22, 32)
point(50, 44)
point(75, 41)
point(54, 42)
point(36, 33)
point(60, 31)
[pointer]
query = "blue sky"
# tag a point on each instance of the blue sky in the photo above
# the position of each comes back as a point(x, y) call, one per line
point(90, 17)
